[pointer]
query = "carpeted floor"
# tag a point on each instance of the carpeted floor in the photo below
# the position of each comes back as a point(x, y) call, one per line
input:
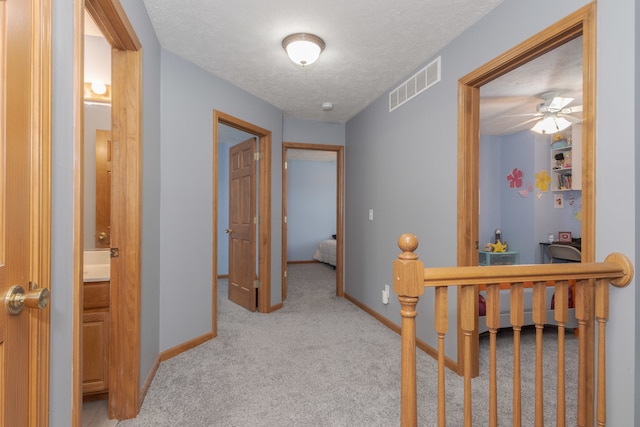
point(321, 361)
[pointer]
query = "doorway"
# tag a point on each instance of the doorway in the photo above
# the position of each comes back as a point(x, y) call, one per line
point(339, 218)
point(581, 22)
point(263, 220)
point(123, 334)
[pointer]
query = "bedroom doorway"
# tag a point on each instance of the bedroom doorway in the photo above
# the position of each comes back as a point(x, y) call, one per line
point(580, 23)
point(333, 153)
point(222, 123)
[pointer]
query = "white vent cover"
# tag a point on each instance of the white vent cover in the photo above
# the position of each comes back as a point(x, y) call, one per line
point(416, 84)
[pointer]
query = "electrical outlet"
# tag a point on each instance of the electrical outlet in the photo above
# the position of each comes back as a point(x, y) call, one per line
point(385, 294)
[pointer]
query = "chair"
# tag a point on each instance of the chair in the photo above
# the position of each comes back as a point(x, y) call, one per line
point(564, 253)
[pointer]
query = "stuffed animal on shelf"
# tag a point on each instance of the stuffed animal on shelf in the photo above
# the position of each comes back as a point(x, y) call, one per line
point(498, 246)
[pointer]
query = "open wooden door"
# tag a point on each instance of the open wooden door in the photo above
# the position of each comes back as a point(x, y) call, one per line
point(242, 227)
point(24, 208)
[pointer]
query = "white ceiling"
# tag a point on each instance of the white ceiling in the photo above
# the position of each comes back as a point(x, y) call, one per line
point(366, 56)
point(507, 103)
point(371, 45)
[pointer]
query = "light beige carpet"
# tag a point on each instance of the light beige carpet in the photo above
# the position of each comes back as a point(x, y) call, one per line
point(321, 361)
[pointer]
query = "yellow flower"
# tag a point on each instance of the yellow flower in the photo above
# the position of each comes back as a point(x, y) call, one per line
point(543, 180)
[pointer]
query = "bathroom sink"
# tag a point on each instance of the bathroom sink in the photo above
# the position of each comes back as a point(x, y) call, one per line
point(97, 266)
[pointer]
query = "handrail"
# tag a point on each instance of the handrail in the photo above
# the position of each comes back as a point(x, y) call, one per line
point(591, 301)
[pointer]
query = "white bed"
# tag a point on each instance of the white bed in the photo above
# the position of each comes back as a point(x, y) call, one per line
point(326, 252)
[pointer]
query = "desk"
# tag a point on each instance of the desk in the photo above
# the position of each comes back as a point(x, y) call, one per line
point(544, 253)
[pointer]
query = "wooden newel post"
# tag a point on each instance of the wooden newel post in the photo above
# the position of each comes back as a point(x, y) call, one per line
point(408, 284)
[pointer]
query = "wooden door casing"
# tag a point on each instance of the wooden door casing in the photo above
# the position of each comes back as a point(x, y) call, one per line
point(242, 235)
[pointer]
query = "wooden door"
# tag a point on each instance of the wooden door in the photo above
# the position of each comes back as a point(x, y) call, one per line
point(24, 342)
point(103, 188)
point(242, 229)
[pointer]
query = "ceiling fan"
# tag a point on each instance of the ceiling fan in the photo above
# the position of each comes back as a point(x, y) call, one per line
point(553, 114)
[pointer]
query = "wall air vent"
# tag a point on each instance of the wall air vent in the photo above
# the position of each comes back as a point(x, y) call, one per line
point(416, 84)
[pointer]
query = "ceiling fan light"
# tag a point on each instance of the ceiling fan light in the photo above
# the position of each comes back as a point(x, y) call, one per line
point(303, 49)
point(551, 124)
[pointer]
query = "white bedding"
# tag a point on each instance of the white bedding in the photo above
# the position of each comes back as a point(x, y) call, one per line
point(326, 252)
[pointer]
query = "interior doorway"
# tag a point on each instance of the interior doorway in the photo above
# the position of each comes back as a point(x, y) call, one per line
point(579, 23)
point(263, 220)
point(122, 336)
point(339, 217)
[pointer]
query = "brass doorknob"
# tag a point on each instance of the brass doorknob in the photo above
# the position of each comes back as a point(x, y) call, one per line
point(16, 299)
point(228, 230)
point(102, 236)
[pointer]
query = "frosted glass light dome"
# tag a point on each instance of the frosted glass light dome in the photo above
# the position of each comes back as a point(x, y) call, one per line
point(303, 49)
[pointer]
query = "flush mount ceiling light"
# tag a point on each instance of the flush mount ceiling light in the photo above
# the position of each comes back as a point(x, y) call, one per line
point(302, 48)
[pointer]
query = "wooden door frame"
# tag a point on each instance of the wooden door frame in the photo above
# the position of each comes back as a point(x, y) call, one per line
point(126, 107)
point(339, 150)
point(264, 212)
point(580, 23)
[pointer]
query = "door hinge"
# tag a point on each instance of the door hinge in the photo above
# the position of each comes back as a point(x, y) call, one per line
point(286, 164)
point(285, 219)
point(256, 220)
point(256, 284)
point(115, 252)
point(257, 156)
point(285, 274)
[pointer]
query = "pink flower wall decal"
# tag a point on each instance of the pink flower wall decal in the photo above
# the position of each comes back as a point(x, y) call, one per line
point(515, 178)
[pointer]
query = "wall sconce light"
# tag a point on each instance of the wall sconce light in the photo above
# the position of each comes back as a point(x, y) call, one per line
point(302, 48)
point(97, 91)
point(98, 88)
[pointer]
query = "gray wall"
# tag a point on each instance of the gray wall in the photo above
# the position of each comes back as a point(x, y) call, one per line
point(636, 135)
point(311, 132)
point(403, 165)
point(189, 96)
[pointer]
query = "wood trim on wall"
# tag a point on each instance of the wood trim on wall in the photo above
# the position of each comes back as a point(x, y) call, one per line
point(580, 23)
point(126, 226)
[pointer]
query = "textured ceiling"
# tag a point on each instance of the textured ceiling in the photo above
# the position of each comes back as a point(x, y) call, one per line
point(371, 45)
point(508, 104)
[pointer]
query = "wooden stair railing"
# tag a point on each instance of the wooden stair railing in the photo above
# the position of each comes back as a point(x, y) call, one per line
point(591, 303)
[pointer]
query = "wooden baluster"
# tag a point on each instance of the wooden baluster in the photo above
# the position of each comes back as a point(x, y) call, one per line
point(602, 315)
point(468, 304)
point(561, 315)
point(441, 326)
point(517, 321)
point(582, 307)
point(539, 317)
point(492, 317)
point(408, 284)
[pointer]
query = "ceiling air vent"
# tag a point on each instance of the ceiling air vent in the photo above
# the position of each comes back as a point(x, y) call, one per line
point(416, 84)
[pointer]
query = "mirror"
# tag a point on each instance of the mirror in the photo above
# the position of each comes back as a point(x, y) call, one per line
point(97, 126)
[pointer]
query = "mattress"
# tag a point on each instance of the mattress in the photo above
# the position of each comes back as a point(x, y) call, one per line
point(326, 252)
